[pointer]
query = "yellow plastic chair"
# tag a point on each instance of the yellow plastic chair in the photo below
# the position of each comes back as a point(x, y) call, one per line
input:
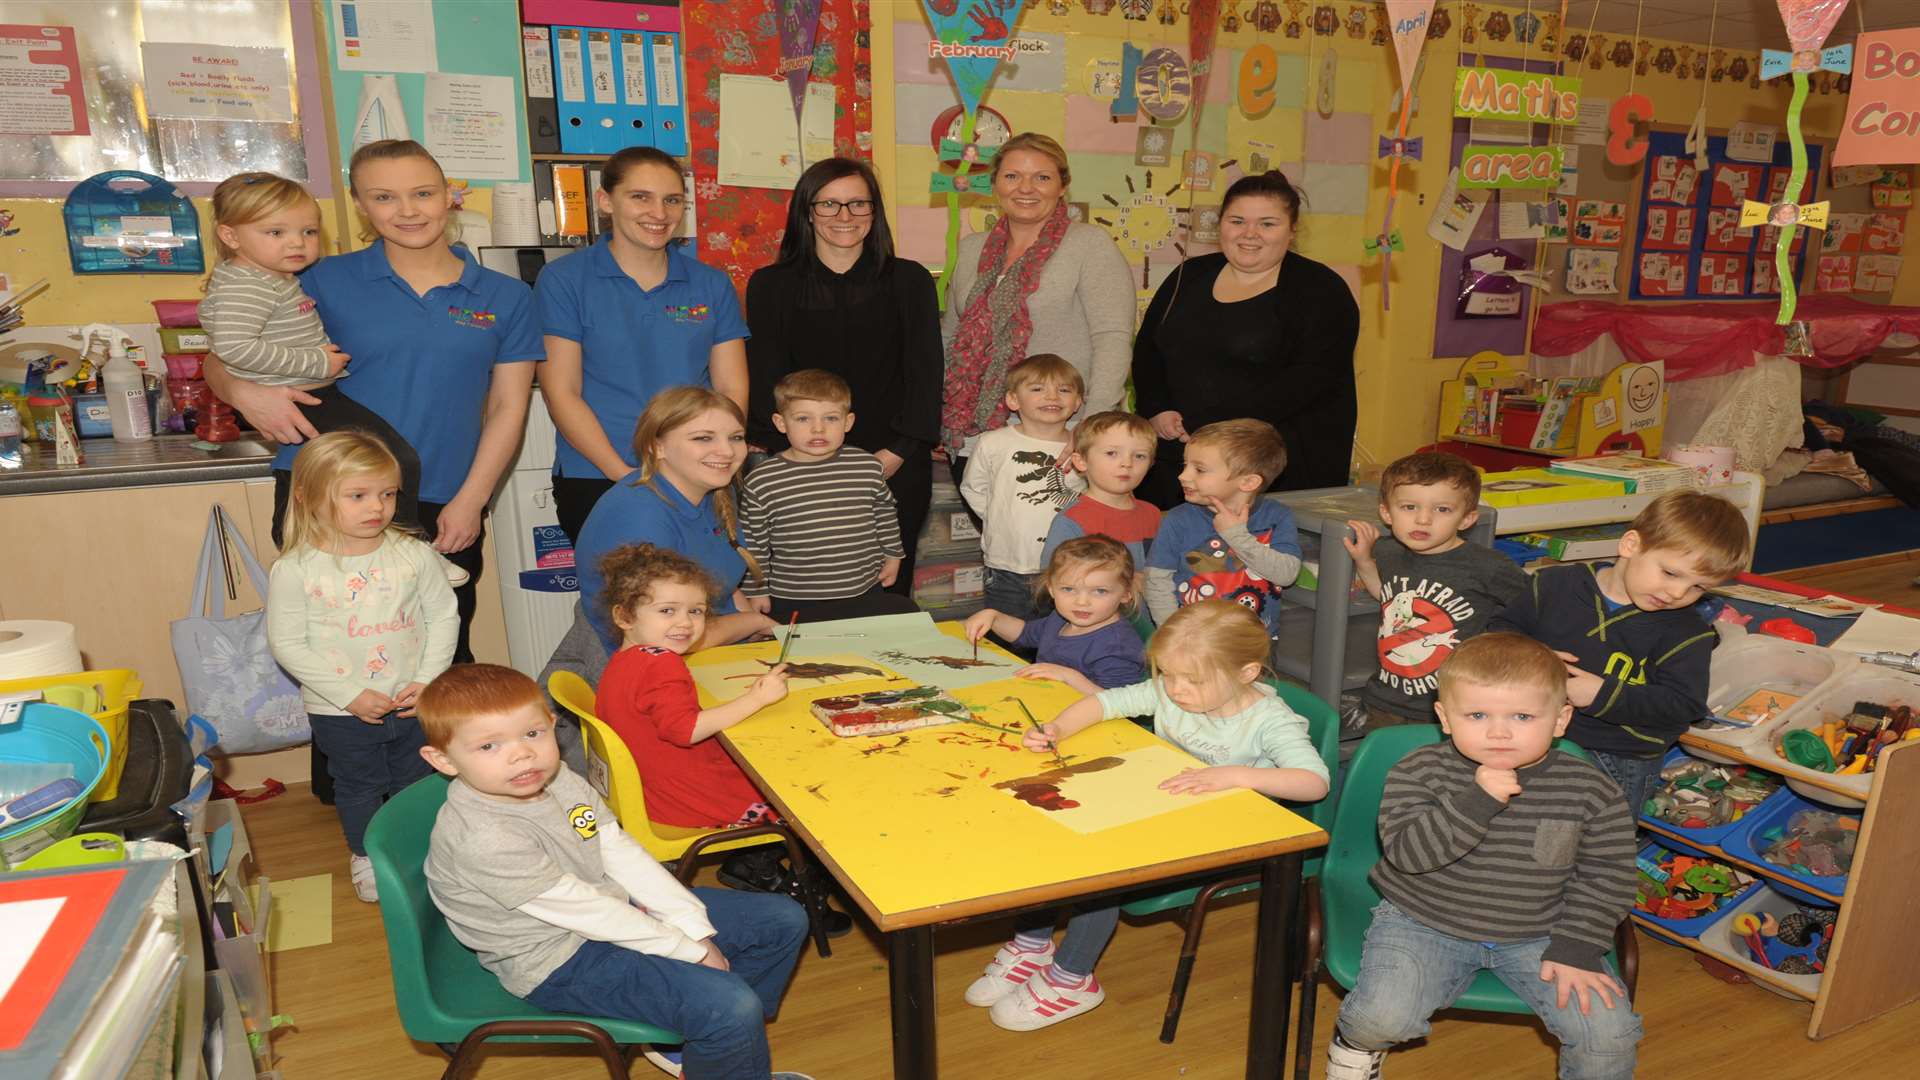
point(612, 771)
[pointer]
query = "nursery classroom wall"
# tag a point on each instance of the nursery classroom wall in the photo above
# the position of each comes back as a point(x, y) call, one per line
point(1333, 158)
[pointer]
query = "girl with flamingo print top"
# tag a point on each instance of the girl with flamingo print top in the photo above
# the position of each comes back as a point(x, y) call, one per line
point(360, 613)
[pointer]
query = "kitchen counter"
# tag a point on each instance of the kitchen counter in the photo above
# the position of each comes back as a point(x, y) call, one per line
point(164, 459)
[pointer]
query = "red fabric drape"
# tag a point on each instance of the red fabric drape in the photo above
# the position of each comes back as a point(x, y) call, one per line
point(1697, 340)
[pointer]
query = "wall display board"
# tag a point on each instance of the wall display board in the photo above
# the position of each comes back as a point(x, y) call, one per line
point(1687, 243)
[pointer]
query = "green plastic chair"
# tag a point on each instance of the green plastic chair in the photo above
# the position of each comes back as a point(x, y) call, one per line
point(443, 995)
point(1323, 726)
point(1340, 901)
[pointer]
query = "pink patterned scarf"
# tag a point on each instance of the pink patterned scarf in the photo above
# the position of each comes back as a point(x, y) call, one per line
point(994, 330)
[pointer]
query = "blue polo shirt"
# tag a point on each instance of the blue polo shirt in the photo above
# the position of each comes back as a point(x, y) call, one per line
point(634, 342)
point(657, 514)
point(424, 363)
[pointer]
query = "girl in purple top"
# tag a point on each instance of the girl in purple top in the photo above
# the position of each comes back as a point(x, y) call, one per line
point(1087, 641)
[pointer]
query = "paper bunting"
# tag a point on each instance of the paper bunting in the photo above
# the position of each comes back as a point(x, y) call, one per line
point(1203, 21)
point(1397, 147)
point(960, 183)
point(1409, 23)
point(973, 37)
point(799, 21)
point(1808, 23)
point(1783, 214)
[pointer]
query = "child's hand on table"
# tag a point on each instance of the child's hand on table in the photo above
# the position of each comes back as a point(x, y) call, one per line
point(1226, 516)
point(1211, 778)
point(1572, 982)
point(770, 687)
point(1502, 784)
point(1582, 686)
point(1044, 739)
point(408, 699)
point(370, 706)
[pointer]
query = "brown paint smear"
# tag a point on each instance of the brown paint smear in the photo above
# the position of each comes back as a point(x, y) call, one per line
point(1043, 790)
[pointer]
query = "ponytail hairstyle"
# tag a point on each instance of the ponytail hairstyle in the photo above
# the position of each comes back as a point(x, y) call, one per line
point(669, 411)
point(394, 150)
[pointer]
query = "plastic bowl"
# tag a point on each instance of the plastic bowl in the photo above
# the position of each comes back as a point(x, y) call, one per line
point(1777, 812)
point(51, 735)
point(1713, 834)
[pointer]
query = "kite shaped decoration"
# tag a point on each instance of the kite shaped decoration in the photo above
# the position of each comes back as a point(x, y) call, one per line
point(799, 21)
point(974, 37)
point(1408, 20)
point(1808, 23)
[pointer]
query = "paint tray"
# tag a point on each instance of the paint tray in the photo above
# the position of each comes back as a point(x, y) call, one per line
point(883, 712)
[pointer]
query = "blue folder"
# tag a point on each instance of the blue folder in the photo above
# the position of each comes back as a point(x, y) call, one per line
point(603, 92)
point(667, 93)
point(570, 78)
point(636, 108)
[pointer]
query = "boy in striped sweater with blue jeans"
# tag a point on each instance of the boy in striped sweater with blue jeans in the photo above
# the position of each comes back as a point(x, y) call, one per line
point(818, 517)
point(1498, 853)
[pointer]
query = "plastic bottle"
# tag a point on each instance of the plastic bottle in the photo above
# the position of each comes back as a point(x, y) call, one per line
point(126, 389)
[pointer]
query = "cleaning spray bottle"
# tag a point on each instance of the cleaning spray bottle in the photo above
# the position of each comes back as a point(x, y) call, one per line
point(126, 390)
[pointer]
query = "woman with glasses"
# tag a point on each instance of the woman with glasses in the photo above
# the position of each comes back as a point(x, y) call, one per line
point(1035, 282)
point(625, 319)
point(837, 299)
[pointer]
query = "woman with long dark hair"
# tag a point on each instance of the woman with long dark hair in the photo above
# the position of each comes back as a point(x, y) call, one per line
point(1254, 330)
point(838, 299)
point(625, 319)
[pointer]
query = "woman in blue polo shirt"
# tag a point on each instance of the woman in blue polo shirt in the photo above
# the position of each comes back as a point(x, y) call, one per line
point(442, 349)
point(625, 319)
point(690, 444)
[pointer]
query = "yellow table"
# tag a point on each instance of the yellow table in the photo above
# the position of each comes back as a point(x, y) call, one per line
point(913, 829)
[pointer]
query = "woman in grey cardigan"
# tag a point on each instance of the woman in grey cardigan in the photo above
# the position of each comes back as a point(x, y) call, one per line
point(1033, 283)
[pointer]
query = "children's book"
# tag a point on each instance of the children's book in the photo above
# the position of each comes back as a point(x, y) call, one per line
point(1528, 487)
point(1587, 542)
point(1642, 475)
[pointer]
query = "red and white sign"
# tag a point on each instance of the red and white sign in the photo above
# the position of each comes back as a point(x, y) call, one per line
point(40, 89)
point(1882, 123)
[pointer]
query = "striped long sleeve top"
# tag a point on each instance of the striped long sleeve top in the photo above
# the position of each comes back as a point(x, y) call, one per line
point(264, 328)
point(1555, 861)
point(818, 529)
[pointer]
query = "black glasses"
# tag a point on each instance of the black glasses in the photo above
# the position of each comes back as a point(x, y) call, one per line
point(831, 207)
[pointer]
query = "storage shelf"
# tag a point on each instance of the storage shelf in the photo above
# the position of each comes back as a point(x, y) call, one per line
point(569, 157)
point(1694, 742)
point(1746, 967)
point(1485, 440)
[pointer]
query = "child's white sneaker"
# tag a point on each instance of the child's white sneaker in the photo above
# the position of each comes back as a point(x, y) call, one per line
point(1038, 1003)
point(360, 868)
point(1352, 1063)
point(666, 1060)
point(1009, 969)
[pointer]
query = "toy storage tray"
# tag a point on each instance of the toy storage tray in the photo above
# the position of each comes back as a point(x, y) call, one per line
point(1776, 812)
point(1718, 940)
point(1833, 701)
point(1694, 927)
point(1756, 663)
point(1712, 835)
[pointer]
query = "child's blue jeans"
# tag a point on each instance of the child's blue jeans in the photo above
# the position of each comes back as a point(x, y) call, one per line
point(369, 764)
point(1635, 775)
point(1408, 971)
point(1010, 594)
point(1088, 932)
point(721, 1015)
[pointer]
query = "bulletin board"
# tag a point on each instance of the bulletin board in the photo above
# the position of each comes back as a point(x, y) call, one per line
point(470, 37)
point(1687, 221)
point(740, 227)
point(1132, 177)
point(1861, 252)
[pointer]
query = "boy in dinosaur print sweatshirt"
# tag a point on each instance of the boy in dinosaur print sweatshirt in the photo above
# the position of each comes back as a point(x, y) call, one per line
point(1014, 483)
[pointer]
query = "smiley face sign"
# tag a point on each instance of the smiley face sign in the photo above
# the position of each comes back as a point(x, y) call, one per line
point(1640, 393)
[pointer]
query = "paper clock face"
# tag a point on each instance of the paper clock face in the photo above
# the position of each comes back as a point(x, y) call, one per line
point(990, 128)
point(1144, 222)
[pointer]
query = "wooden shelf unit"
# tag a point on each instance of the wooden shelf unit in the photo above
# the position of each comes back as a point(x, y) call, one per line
point(1870, 968)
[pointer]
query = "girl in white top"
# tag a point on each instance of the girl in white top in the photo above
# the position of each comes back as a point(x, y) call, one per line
point(360, 613)
point(1206, 698)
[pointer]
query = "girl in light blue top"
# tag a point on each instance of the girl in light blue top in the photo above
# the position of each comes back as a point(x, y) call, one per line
point(1207, 699)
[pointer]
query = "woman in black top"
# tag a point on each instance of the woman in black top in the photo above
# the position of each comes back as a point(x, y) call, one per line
point(1252, 331)
point(837, 299)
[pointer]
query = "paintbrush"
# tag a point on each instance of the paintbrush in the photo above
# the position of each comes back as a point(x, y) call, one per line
point(787, 642)
point(1058, 761)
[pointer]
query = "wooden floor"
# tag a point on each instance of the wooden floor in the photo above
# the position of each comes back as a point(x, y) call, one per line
point(834, 1024)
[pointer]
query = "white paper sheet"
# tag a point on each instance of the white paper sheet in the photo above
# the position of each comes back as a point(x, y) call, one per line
point(472, 129)
point(216, 82)
point(514, 223)
point(1515, 222)
point(27, 921)
point(380, 115)
point(1455, 213)
point(1877, 631)
point(1591, 127)
point(759, 144)
point(384, 35)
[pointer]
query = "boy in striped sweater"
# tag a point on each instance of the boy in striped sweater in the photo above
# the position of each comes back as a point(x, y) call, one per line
point(818, 516)
point(1498, 853)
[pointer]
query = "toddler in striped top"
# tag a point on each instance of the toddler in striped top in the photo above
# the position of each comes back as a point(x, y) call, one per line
point(266, 330)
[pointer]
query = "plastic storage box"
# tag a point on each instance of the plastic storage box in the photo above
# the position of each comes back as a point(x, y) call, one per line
point(106, 695)
point(1690, 927)
point(1777, 813)
point(1760, 662)
point(1833, 700)
point(1719, 942)
point(48, 735)
point(1712, 834)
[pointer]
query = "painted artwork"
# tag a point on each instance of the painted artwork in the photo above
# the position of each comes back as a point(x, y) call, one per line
point(1105, 792)
point(910, 647)
point(884, 712)
point(728, 680)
